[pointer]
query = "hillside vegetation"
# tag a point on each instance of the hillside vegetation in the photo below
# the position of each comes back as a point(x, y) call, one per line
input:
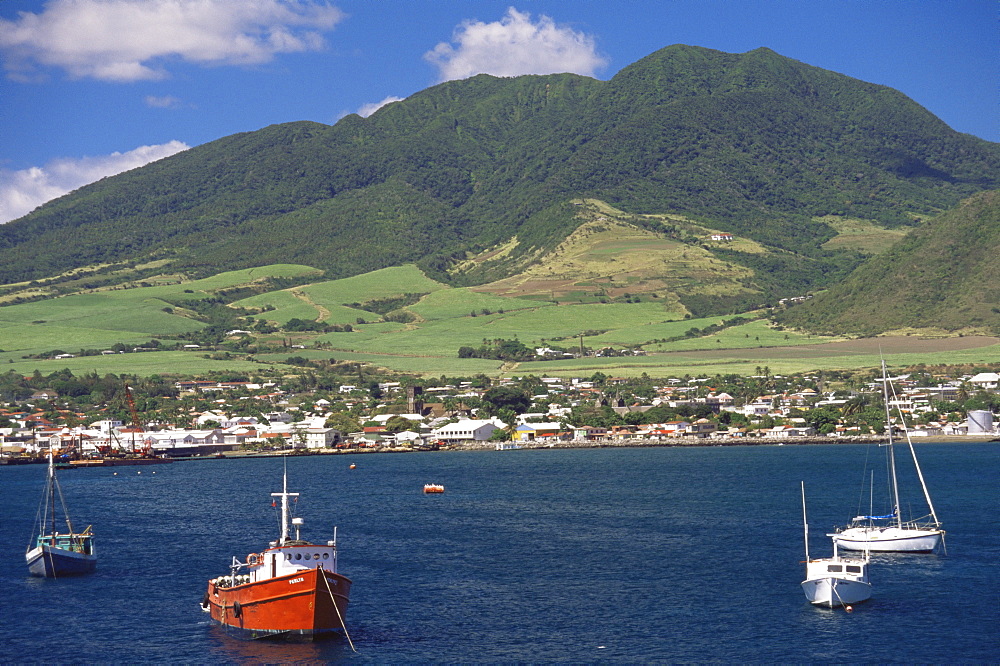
point(754, 144)
point(942, 275)
point(279, 319)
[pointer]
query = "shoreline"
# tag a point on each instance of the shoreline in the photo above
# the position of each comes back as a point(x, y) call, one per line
point(678, 442)
point(609, 444)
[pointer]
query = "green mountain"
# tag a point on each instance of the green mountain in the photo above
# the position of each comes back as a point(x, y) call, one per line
point(943, 275)
point(754, 144)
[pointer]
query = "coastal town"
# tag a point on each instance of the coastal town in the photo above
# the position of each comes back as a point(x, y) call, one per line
point(217, 418)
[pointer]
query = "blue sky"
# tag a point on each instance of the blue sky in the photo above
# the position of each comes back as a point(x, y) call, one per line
point(90, 88)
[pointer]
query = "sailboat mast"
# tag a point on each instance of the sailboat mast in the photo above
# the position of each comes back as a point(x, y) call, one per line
point(52, 493)
point(892, 454)
point(805, 523)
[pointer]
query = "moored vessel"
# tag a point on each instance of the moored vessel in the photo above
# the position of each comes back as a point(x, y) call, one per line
point(834, 581)
point(53, 553)
point(889, 532)
point(290, 589)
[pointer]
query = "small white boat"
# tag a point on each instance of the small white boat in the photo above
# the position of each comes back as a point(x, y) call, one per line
point(507, 446)
point(890, 533)
point(834, 581)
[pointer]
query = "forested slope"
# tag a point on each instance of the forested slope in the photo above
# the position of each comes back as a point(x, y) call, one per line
point(944, 274)
point(752, 143)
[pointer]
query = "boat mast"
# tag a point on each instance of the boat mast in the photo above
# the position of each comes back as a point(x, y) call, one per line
point(52, 492)
point(892, 455)
point(805, 523)
point(284, 495)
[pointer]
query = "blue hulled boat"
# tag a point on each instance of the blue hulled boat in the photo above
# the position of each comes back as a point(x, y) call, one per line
point(55, 553)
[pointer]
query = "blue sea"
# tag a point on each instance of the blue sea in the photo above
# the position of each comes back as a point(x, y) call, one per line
point(581, 555)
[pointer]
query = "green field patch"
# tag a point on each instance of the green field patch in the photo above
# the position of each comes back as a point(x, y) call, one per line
point(198, 289)
point(572, 320)
point(644, 333)
point(419, 365)
point(383, 283)
point(781, 361)
point(170, 363)
point(745, 336)
point(863, 236)
point(453, 303)
point(285, 306)
point(20, 339)
point(99, 311)
point(444, 337)
point(362, 335)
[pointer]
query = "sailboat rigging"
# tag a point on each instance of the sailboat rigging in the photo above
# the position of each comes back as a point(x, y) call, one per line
point(888, 532)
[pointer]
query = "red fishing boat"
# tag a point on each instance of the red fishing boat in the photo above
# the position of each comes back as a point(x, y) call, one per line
point(290, 589)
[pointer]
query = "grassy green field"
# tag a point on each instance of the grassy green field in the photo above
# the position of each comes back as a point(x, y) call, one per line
point(747, 362)
point(145, 364)
point(418, 365)
point(444, 320)
point(452, 303)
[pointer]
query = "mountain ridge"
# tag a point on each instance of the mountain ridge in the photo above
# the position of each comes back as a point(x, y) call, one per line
point(755, 144)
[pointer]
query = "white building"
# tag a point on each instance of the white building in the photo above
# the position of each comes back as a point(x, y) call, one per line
point(322, 438)
point(986, 380)
point(468, 431)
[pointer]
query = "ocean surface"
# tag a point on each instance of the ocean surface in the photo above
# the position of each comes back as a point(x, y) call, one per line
point(585, 555)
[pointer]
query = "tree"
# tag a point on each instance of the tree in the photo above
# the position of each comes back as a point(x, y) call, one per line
point(398, 423)
point(506, 397)
point(342, 422)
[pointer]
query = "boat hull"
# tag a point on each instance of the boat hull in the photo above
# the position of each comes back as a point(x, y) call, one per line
point(888, 539)
point(833, 592)
point(53, 562)
point(307, 604)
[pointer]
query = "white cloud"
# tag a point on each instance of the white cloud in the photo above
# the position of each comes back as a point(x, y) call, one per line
point(165, 102)
point(130, 40)
point(23, 191)
point(369, 109)
point(515, 45)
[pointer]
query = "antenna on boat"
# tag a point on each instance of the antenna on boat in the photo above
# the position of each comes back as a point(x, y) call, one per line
point(284, 495)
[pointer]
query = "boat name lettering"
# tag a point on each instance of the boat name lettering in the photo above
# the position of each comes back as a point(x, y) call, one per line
point(296, 580)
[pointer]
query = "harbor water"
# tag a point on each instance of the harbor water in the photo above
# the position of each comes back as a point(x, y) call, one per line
point(578, 555)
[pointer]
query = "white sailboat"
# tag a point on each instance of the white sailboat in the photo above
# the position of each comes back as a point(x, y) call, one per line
point(889, 533)
point(834, 581)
